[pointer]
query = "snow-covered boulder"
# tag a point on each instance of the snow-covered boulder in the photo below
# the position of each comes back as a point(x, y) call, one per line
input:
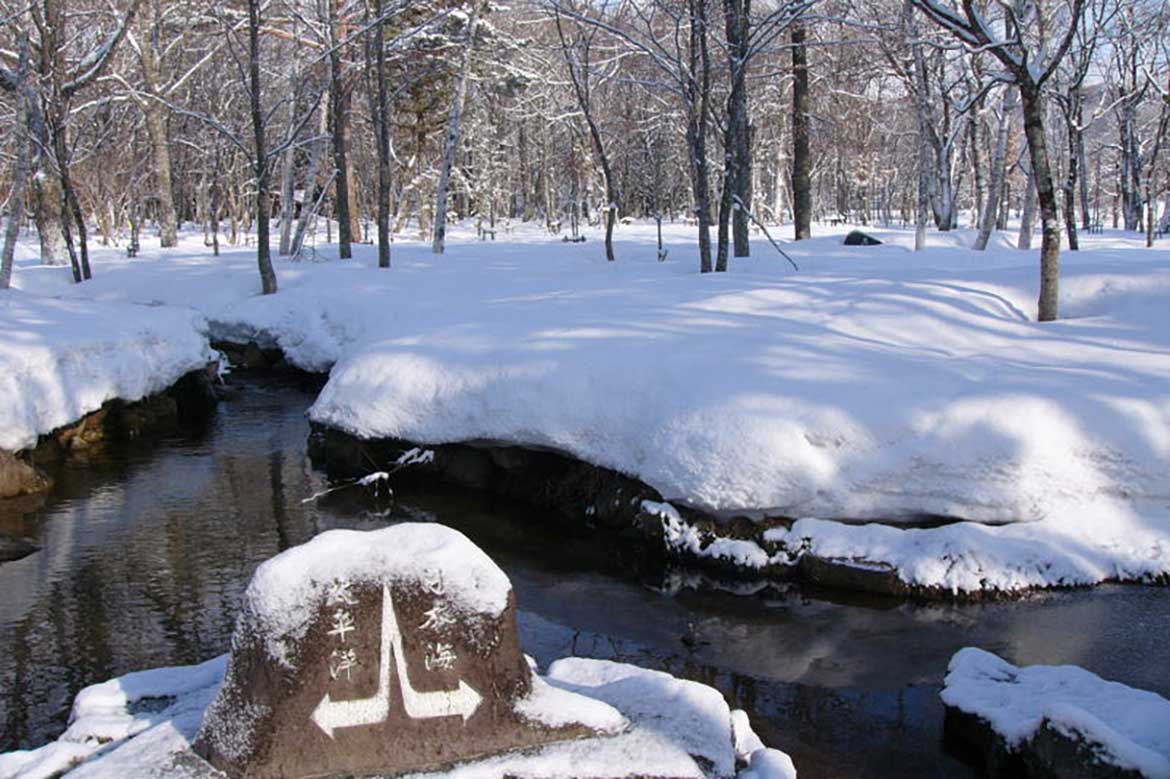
point(1058, 720)
point(379, 652)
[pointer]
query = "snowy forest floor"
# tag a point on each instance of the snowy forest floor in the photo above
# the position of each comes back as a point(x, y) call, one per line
point(875, 383)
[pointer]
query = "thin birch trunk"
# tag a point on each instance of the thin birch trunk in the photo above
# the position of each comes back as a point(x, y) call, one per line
point(451, 146)
point(20, 170)
point(1028, 213)
point(262, 167)
point(316, 155)
point(988, 220)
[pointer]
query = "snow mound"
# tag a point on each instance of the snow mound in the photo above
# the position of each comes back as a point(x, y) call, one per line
point(970, 557)
point(62, 359)
point(554, 707)
point(1130, 728)
point(675, 728)
point(286, 590)
point(108, 714)
point(689, 714)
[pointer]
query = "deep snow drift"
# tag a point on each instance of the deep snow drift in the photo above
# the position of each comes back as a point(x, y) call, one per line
point(143, 724)
point(62, 359)
point(1128, 728)
point(875, 383)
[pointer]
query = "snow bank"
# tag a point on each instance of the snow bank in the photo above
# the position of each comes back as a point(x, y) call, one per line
point(876, 383)
point(838, 392)
point(108, 714)
point(675, 728)
point(1128, 728)
point(62, 359)
point(688, 714)
point(969, 557)
point(287, 590)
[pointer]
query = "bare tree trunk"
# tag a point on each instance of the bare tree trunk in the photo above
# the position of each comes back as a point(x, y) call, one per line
point(316, 155)
point(580, 81)
point(779, 168)
point(801, 136)
point(288, 190)
point(451, 147)
point(944, 204)
point(1005, 202)
point(382, 128)
point(74, 261)
point(262, 167)
point(168, 222)
point(738, 15)
point(156, 128)
point(998, 171)
point(46, 190)
point(1027, 215)
point(20, 168)
point(978, 183)
point(338, 105)
point(698, 96)
point(1048, 304)
point(1151, 214)
point(1086, 217)
point(1131, 195)
point(71, 205)
point(921, 210)
point(1073, 117)
point(1070, 206)
point(726, 193)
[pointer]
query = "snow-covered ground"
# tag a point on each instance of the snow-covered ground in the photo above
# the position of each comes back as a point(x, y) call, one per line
point(874, 383)
point(61, 359)
point(143, 724)
point(1127, 728)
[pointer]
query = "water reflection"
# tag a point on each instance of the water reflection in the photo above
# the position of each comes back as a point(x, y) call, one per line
point(144, 556)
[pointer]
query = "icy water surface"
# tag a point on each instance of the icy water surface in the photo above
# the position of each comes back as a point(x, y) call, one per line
point(144, 557)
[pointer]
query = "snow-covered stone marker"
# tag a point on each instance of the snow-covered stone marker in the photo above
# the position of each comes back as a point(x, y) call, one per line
point(289, 703)
point(377, 652)
point(1058, 721)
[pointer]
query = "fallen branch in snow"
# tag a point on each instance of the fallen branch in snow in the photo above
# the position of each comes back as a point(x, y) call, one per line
point(415, 456)
point(759, 224)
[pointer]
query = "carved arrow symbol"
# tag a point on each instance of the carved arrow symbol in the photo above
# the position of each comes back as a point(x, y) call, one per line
point(330, 714)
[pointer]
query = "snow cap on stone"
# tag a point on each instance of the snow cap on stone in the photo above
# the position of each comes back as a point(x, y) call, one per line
point(287, 590)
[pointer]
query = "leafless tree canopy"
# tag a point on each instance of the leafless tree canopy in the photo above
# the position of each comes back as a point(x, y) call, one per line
point(134, 119)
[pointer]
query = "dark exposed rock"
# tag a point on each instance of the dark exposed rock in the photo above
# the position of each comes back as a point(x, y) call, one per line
point(1048, 754)
point(191, 398)
point(998, 760)
point(855, 575)
point(548, 479)
point(592, 496)
point(19, 476)
point(195, 395)
point(13, 548)
point(251, 356)
point(858, 238)
point(1053, 754)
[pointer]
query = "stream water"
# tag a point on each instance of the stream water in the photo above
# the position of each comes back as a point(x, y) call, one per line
point(145, 553)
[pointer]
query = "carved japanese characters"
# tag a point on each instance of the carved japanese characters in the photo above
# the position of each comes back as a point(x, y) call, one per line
point(377, 652)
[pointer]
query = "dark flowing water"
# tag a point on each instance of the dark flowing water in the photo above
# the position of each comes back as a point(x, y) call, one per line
point(145, 554)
